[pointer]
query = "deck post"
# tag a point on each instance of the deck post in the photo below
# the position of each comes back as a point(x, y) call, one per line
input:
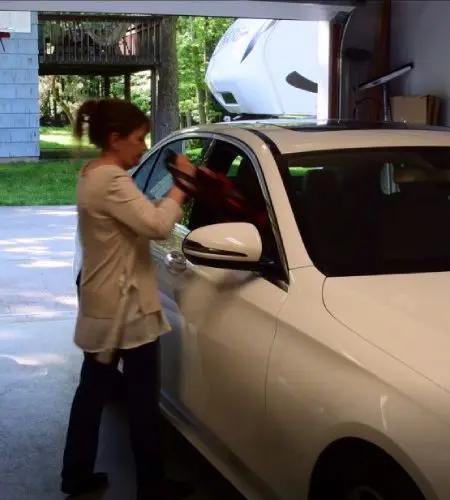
point(127, 93)
point(107, 85)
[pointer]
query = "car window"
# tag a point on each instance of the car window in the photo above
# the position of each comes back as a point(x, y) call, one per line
point(230, 160)
point(157, 181)
point(142, 174)
point(372, 211)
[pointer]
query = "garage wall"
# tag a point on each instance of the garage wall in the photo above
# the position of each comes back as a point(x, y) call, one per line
point(19, 96)
point(420, 33)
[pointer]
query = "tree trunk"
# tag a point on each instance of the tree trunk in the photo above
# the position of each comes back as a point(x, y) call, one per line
point(59, 100)
point(188, 119)
point(167, 119)
point(55, 108)
point(154, 102)
point(206, 58)
point(201, 105)
point(199, 88)
point(210, 102)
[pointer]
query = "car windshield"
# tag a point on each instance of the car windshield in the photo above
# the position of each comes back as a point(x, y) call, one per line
point(372, 211)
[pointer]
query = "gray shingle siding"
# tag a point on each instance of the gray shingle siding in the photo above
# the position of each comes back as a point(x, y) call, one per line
point(19, 95)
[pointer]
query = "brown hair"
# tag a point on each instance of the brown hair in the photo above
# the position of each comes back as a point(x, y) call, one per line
point(104, 117)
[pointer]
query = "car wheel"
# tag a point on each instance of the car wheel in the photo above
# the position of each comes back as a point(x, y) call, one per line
point(370, 474)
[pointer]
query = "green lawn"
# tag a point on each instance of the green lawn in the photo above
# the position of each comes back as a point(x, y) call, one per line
point(61, 139)
point(43, 183)
point(52, 180)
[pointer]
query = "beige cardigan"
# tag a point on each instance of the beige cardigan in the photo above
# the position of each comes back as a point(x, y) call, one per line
point(116, 221)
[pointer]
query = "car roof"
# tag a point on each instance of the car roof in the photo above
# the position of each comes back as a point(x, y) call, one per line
point(289, 135)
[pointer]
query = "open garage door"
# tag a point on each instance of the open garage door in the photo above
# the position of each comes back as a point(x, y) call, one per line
point(321, 10)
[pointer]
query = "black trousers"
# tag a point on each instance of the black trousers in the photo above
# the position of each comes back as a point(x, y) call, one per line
point(141, 368)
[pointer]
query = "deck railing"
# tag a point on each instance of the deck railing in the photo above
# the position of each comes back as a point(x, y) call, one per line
point(95, 40)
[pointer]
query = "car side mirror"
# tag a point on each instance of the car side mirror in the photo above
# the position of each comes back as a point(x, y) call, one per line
point(232, 245)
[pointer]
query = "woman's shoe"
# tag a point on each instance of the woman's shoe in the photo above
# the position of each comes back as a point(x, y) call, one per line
point(167, 490)
point(90, 484)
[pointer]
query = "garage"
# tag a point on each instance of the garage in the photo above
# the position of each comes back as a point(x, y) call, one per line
point(383, 62)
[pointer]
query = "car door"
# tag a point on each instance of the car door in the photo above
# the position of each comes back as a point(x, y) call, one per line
point(229, 324)
point(155, 181)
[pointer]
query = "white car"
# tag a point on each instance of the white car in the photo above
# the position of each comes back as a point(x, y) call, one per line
point(310, 357)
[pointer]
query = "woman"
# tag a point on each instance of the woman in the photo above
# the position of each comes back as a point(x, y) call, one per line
point(120, 312)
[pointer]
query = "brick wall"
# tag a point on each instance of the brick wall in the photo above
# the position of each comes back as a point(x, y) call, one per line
point(19, 96)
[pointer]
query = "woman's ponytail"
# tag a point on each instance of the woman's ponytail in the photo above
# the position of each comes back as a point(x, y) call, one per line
point(102, 117)
point(86, 117)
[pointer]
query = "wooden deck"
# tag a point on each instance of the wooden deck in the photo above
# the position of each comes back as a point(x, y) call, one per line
point(110, 45)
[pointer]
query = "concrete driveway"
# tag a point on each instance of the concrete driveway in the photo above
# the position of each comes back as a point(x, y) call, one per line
point(39, 368)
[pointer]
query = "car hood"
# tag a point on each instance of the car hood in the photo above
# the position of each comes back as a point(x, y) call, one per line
point(407, 316)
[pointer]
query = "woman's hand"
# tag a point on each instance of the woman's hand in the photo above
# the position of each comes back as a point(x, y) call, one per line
point(182, 164)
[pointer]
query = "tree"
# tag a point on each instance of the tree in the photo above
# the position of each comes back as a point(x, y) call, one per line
point(167, 110)
point(197, 38)
point(60, 98)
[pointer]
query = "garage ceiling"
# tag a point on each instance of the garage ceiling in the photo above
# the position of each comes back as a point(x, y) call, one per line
point(320, 10)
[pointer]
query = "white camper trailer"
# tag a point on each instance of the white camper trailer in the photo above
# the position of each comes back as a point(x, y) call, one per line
point(272, 67)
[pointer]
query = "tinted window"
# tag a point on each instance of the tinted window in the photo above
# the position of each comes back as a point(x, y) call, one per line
point(377, 211)
point(142, 174)
point(154, 179)
point(160, 181)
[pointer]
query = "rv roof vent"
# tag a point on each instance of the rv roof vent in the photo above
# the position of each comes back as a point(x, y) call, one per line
point(228, 98)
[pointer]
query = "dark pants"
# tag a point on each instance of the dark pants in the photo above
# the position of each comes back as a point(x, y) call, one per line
point(141, 375)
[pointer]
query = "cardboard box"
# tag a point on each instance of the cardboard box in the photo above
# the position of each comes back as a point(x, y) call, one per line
point(421, 109)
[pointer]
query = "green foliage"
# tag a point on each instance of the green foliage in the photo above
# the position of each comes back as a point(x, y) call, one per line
point(140, 89)
point(197, 38)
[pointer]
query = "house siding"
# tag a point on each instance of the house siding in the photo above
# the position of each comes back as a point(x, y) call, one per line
point(19, 95)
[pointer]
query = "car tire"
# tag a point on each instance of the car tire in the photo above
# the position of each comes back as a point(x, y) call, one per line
point(371, 474)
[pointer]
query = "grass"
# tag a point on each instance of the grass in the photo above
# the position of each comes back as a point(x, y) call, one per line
point(52, 180)
point(43, 183)
point(60, 139)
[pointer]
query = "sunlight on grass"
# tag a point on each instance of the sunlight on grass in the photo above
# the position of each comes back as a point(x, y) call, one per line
point(62, 138)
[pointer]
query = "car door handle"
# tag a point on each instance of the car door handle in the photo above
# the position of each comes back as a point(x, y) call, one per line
point(175, 262)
